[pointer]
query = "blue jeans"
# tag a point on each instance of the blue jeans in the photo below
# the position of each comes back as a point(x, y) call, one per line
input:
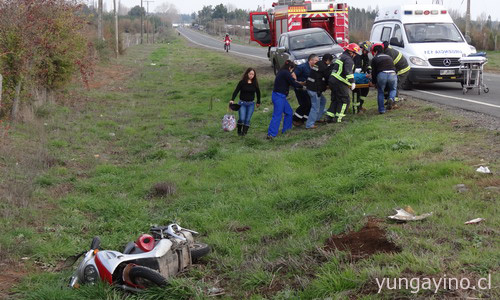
point(245, 112)
point(389, 81)
point(317, 108)
point(281, 106)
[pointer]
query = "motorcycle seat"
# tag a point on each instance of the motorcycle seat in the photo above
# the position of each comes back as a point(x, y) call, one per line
point(131, 248)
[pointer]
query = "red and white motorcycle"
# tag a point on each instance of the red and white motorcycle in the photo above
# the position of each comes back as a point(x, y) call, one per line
point(150, 261)
point(227, 45)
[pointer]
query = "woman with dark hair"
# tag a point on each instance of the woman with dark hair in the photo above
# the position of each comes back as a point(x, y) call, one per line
point(248, 87)
point(284, 79)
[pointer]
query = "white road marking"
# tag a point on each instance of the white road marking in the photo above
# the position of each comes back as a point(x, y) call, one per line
point(457, 98)
point(218, 49)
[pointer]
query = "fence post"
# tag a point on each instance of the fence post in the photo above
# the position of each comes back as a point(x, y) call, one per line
point(1, 90)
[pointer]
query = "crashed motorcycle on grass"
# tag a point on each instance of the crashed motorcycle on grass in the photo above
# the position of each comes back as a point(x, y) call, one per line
point(150, 261)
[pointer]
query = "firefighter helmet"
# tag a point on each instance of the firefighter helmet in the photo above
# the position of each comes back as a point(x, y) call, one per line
point(353, 47)
point(366, 45)
point(375, 45)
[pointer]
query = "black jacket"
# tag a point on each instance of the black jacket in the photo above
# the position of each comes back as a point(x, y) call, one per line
point(381, 62)
point(318, 78)
point(247, 91)
point(362, 62)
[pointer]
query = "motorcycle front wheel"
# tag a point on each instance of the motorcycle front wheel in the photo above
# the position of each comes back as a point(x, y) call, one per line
point(145, 277)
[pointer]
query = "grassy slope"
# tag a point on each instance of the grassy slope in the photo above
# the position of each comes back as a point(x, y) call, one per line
point(493, 64)
point(293, 193)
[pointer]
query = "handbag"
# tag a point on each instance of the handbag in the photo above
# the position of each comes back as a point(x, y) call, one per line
point(228, 122)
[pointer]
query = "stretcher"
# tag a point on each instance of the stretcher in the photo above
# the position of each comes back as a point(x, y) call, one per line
point(472, 67)
point(355, 103)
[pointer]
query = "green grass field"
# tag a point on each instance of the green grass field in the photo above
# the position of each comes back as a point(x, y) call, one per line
point(103, 149)
point(493, 64)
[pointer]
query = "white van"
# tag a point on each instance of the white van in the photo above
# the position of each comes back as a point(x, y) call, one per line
point(427, 37)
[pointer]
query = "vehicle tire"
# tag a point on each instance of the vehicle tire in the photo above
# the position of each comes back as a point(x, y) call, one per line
point(145, 277)
point(407, 85)
point(96, 243)
point(198, 250)
point(275, 67)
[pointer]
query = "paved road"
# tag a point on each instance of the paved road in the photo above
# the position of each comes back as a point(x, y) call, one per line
point(442, 93)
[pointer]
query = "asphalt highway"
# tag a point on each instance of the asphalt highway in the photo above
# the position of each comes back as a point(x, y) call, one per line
point(449, 94)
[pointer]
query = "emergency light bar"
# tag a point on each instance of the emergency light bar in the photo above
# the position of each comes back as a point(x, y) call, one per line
point(426, 12)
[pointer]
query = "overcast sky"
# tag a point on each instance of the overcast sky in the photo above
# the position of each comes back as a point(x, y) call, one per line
point(188, 6)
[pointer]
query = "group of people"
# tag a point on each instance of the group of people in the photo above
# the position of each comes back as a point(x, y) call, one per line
point(387, 70)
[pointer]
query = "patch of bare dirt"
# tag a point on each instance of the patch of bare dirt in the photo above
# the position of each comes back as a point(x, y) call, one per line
point(10, 275)
point(61, 190)
point(110, 77)
point(369, 240)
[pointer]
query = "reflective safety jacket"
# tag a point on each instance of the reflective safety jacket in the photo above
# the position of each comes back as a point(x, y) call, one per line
point(343, 69)
point(399, 60)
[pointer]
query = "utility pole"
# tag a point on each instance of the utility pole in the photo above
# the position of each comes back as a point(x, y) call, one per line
point(116, 29)
point(142, 25)
point(99, 20)
point(467, 19)
point(147, 19)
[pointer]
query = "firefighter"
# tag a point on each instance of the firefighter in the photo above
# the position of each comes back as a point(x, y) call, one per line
point(362, 62)
point(401, 64)
point(316, 84)
point(384, 76)
point(302, 73)
point(341, 80)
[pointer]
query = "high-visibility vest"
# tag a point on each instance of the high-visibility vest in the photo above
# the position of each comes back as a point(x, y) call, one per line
point(400, 61)
point(340, 73)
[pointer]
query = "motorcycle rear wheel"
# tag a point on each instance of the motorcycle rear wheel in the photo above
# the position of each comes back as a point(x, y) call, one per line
point(198, 250)
point(145, 277)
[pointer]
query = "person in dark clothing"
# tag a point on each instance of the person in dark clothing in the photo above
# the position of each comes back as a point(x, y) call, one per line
point(282, 84)
point(248, 87)
point(302, 73)
point(340, 83)
point(316, 84)
point(384, 76)
point(401, 64)
point(362, 62)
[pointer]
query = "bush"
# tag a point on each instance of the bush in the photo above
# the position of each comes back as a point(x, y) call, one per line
point(42, 43)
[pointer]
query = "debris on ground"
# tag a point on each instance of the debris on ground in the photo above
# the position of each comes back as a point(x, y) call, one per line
point(265, 110)
point(163, 189)
point(212, 292)
point(369, 240)
point(461, 188)
point(475, 221)
point(408, 214)
point(492, 188)
point(242, 228)
point(484, 170)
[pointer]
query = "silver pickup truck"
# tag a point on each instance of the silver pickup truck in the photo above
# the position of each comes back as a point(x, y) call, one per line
point(299, 44)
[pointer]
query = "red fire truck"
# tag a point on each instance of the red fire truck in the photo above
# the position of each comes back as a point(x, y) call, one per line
point(266, 28)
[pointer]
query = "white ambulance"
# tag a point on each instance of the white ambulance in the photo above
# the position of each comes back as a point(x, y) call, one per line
point(427, 37)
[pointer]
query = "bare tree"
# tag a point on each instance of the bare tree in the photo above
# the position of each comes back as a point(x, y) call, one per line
point(99, 21)
point(168, 12)
point(116, 28)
